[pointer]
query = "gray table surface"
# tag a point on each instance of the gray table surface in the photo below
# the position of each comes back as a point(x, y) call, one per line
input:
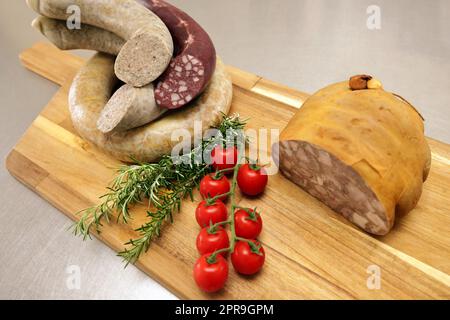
point(303, 44)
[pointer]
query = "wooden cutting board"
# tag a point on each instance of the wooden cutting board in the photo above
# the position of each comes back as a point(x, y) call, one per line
point(311, 251)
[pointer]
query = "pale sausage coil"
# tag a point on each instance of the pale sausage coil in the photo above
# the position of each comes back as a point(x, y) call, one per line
point(93, 87)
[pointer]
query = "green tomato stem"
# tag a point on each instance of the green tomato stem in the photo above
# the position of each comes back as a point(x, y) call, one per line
point(211, 201)
point(219, 172)
point(212, 229)
point(221, 223)
point(233, 201)
point(213, 257)
point(233, 206)
point(243, 239)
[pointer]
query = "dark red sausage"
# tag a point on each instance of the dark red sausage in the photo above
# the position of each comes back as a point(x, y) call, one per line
point(194, 59)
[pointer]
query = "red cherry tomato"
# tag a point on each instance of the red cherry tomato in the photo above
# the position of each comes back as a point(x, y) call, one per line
point(247, 225)
point(208, 242)
point(211, 187)
point(207, 214)
point(211, 277)
point(245, 260)
point(252, 180)
point(224, 158)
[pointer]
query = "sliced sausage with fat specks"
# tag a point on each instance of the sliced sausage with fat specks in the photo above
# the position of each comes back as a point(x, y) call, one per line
point(194, 60)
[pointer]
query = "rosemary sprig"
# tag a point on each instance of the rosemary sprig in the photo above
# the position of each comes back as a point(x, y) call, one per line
point(164, 184)
point(169, 203)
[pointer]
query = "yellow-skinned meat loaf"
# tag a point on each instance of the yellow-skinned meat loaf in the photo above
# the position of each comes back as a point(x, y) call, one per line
point(360, 150)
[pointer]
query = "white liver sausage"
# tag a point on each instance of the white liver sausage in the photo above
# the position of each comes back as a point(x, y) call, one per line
point(129, 108)
point(148, 48)
point(92, 88)
point(88, 37)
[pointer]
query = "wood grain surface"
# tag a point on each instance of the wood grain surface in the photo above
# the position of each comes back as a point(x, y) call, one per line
point(311, 251)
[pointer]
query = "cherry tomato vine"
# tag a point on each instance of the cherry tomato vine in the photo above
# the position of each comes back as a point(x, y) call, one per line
point(245, 225)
